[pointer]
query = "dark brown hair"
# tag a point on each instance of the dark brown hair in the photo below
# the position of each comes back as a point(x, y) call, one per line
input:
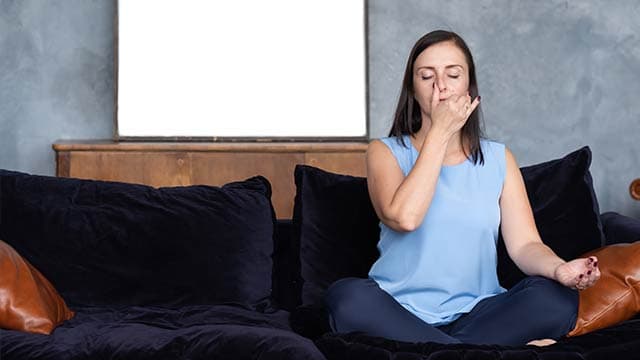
point(408, 117)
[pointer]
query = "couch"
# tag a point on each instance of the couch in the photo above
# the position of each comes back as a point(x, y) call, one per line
point(201, 272)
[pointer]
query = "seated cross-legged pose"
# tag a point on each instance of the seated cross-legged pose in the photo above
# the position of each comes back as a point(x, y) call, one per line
point(441, 190)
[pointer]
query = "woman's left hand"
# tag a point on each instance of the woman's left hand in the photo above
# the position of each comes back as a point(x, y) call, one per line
point(579, 273)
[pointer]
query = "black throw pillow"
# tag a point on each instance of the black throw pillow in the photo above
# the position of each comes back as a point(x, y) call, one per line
point(565, 209)
point(110, 243)
point(337, 229)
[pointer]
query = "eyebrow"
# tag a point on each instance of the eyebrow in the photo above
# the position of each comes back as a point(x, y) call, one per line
point(433, 68)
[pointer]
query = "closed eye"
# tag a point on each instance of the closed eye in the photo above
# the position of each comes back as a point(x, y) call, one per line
point(429, 77)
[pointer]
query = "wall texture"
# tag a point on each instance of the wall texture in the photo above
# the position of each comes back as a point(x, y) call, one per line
point(56, 76)
point(554, 76)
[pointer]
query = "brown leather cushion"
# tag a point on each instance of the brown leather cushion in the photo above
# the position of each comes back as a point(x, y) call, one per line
point(615, 297)
point(28, 301)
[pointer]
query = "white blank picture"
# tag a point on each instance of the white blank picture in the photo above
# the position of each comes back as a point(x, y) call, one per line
point(241, 68)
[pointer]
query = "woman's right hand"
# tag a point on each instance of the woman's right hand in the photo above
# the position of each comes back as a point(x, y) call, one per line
point(450, 115)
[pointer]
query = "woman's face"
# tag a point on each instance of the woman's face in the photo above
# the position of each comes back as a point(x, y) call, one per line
point(444, 65)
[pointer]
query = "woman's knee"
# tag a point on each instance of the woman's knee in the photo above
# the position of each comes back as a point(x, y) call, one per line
point(345, 289)
point(345, 299)
point(551, 291)
point(555, 299)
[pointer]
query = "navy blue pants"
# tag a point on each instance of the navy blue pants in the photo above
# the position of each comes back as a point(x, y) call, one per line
point(535, 308)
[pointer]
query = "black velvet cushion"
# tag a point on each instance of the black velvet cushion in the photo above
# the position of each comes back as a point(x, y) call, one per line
point(337, 229)
point(565, 209)
point(619, 228)
point(114, 243)
point(227, 332)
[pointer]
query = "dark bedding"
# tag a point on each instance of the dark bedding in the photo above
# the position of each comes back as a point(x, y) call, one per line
point(617, 342)
point(191, 332)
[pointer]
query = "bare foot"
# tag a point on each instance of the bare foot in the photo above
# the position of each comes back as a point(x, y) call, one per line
point(541, 342)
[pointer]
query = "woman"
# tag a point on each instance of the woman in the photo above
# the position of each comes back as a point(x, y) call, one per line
point(441, 190)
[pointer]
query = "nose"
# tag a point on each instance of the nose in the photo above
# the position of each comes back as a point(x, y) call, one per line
point(440, 83)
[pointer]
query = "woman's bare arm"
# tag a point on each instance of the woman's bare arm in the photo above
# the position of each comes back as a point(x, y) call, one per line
point(523, 241)
point(401, 203)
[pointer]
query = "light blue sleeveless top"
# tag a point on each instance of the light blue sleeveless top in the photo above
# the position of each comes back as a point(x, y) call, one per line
point(448, 264)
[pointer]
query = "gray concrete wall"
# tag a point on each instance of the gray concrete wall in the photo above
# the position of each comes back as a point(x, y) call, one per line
point(56, 78)
point(554, 76)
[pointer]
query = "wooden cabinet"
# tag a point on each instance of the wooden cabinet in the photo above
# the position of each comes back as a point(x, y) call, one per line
point(172, 164)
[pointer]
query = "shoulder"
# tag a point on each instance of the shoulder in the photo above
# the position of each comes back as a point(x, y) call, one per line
point(499, 148)
point(387, 153)
point(502, 152)
point(378, 147)
point(510, 159)
point(390, 141)
point(498, 154)
point(493, 151)
point(385, 144)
